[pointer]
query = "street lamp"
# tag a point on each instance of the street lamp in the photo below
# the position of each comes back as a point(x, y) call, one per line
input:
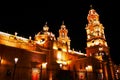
point(88, 70)
point(41, 72)
point(0, 60)
point(43, 67)
point(16, 60)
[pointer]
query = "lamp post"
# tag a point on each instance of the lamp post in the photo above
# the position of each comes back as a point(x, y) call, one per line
point(0, 60)
point(16, 60)
point(41, 72)
point(88, 71)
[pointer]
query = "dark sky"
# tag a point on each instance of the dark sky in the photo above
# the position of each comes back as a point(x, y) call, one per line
point(29, 18)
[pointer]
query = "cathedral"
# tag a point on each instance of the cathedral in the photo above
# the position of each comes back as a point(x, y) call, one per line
point(49, 58)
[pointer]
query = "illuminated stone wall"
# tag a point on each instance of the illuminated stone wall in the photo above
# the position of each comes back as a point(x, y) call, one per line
point(26, 61)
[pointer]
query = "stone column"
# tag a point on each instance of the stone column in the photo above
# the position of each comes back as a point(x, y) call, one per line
point(105, 71)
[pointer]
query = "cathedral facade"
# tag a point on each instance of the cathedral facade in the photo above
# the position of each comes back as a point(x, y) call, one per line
point(50, 58)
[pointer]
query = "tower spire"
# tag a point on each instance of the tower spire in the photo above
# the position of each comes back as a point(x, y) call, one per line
point(63, 22)
point(63, 25)
point(97, 44)
point(45, 27)
point(95, 34)
point(63, 35)
point(46, 23)
point(91, 7)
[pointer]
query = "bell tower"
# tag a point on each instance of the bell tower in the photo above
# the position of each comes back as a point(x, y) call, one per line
point(63, 35)
point(96, 41)
point(97, 45)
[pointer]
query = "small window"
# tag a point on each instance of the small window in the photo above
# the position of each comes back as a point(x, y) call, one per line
point(80, 66)
point(59, 49)
point(92, 41)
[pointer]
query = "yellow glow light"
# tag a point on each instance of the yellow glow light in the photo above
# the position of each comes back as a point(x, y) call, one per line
point(44, 65)
point(59, 56)
point(89, 68)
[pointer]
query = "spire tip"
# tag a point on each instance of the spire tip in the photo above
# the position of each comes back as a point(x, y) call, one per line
point(91, 7)
point(63, 22)
point(46, 23)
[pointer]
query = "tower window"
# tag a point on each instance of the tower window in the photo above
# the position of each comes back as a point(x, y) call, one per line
point(59, 49)
point(92, 41)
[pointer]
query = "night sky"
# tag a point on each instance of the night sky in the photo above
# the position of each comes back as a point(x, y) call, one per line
point(29, 18)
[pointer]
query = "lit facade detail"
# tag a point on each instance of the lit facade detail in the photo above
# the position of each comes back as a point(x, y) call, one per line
point(89, 68)
point(63, 35)
point(95, 32)
point(97, 44)
point(46, 58)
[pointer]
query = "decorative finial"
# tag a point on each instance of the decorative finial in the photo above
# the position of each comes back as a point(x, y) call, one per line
point(63, 25)
point(62, 22)
point(91, 7)
point(45, 23)
point(16, 33)
point(45, 27)
point(30, 37)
